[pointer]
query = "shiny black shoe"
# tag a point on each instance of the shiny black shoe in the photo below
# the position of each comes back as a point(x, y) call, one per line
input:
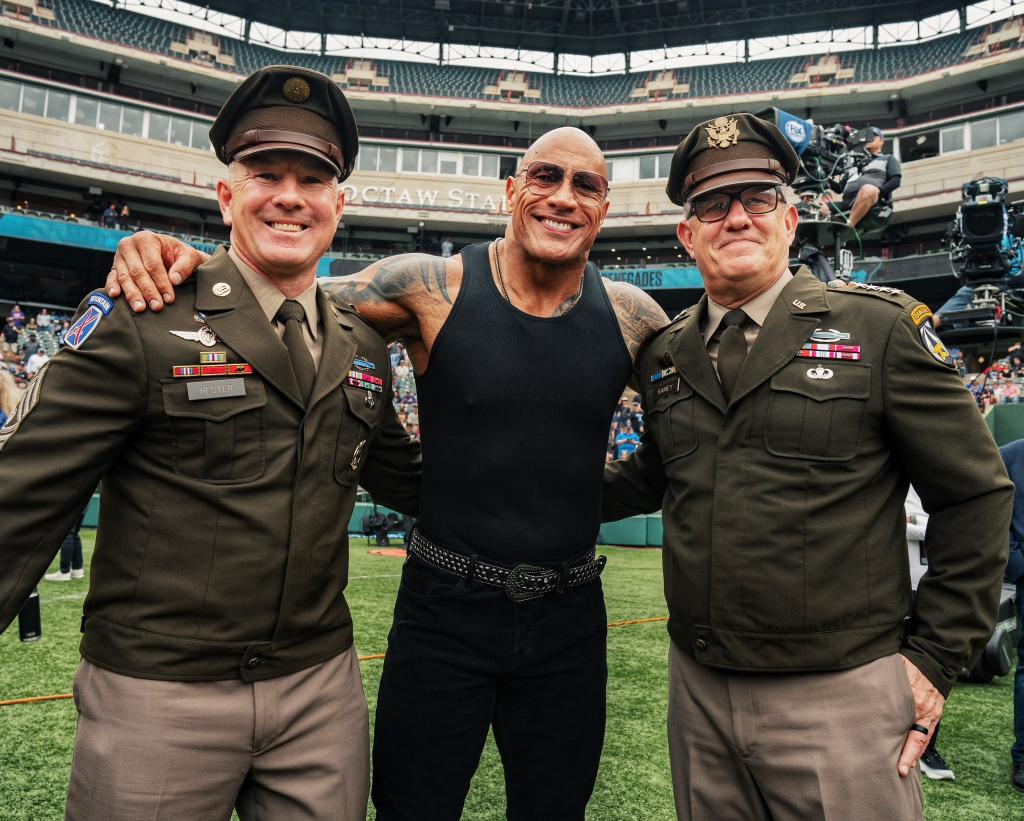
point(1017, 779)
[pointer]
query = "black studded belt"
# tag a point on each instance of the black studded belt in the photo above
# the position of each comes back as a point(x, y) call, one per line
point(520, 583)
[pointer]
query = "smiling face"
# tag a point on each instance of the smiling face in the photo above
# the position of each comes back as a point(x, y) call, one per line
point(740, 256)
point(283, 209)
point(553, 228)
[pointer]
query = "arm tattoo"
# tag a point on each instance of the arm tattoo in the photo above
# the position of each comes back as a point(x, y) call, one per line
point(392, 280)
point(638, 314)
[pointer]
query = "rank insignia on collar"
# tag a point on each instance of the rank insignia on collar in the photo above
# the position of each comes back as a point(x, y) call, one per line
point(830, 335)
point(657, 377)
point(363, 363)
point(204, 336)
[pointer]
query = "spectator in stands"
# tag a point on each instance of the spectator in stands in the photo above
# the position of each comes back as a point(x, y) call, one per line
point(29, 344)
point(874, 182)
point(122, 218)
point(18, 316)
point(35, 363)
point(10, 394)
point(43, 320)
point(446, 247)
point(10, 338)
point(626, 442)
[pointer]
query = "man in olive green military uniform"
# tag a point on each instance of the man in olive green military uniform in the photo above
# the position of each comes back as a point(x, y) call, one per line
point(230, 430)
point(785, 421)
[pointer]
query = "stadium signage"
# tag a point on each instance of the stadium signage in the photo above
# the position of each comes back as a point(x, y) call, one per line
point(455, 198)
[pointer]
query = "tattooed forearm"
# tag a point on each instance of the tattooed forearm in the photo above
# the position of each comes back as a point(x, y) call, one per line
point(393, 280)
point(638, 314)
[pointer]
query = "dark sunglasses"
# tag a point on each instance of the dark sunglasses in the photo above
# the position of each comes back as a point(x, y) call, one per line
point(714, 207)
point(544, 178)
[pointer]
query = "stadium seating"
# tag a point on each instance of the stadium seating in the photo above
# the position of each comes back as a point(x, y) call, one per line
point(95, 20)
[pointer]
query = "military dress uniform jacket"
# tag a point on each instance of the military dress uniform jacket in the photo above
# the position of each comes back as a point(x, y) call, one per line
point(222, 548)
point(784, 529)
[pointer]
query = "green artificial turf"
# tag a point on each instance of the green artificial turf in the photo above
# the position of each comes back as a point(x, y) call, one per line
point(633, 785)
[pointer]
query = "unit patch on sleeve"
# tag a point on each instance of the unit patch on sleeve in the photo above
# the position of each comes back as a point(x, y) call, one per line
point(920, 314)
point(83, 328)
point(934, 345)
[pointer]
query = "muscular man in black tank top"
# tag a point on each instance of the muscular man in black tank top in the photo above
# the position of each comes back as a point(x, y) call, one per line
point(502, 336)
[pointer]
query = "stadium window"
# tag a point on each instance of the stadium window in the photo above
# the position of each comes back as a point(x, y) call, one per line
point(428, 162)
point(920, 146)
point(388, 159)
point(58, 105)
point(158, 126)
point(664, 164)
point(489, 166)
point(201, 136)
point(10, 95)
point(110, 116)
point(648, 167)
point(181, 131)
point(367, 158)
point(85, 111)
point(131, 121)
point(1011, 127)
point(984, 133)
point(448, 163)
point(471, 165)
point(33, 101)
point(952, 139)
point(507, 166)
point(410, 159)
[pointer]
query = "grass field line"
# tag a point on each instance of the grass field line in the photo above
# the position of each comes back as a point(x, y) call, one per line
point(372, 657)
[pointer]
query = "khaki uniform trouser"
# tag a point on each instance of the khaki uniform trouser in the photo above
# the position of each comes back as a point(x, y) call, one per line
point(792, 747)
point(293, 747)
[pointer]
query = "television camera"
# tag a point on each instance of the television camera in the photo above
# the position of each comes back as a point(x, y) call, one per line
point(829, 158)
point(986, 248)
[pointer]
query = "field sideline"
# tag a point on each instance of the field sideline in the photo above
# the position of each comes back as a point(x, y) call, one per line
point(634, 785)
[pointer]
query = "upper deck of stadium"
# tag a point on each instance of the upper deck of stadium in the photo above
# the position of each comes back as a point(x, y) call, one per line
point(388, 78)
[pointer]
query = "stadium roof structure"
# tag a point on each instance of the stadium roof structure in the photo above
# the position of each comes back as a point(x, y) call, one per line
point(584, 27)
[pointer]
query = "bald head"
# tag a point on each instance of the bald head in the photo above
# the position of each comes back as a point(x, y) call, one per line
point(576, 147)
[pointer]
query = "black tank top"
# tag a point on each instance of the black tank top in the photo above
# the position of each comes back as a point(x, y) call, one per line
point(514, 418)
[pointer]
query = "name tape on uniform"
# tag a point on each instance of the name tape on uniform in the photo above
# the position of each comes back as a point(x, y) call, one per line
point(217, 389)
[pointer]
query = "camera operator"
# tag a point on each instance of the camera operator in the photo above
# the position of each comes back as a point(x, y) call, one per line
point(875, 180)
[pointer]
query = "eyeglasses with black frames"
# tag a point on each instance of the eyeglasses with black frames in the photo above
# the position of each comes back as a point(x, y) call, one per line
point(714, 207)
point(544, 178)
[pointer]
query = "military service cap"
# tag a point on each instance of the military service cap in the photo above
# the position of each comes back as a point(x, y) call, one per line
point(287, 108)
point(734, 150)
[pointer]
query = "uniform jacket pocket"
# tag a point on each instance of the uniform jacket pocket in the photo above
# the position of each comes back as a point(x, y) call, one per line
point(360, 421)
point(671, 418)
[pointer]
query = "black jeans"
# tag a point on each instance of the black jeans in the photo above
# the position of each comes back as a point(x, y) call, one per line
point(463, 658)
point(71, 549)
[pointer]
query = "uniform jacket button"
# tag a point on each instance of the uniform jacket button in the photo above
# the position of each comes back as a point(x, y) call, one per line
point(700, 644)
point(255, 661)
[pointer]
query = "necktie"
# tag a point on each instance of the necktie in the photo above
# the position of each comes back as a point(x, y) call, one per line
point(291, 315)
point(732, 350)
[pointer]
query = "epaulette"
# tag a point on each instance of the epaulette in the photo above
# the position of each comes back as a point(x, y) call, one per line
point(894, 295)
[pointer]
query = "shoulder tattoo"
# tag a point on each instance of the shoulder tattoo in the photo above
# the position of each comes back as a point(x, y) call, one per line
point(638, 314)
point(394, 279)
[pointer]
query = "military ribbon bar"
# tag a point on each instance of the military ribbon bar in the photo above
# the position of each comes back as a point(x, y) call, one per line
point(811, 354)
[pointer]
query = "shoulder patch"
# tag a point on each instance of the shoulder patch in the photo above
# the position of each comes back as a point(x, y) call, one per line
point(83, 327)
point(932, 343)
point(920, 315)
point(102, 302)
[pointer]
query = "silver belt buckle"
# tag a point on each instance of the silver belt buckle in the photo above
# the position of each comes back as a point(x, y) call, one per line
point(516, 584)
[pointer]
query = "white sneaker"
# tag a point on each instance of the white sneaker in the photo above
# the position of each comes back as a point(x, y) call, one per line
point(57, 576)
point(78, 574)
point(934, 766)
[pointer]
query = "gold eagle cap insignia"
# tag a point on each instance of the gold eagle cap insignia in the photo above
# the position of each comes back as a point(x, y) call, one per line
point(723, 132)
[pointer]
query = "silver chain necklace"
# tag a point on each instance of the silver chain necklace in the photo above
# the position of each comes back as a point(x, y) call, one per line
point(504, 290)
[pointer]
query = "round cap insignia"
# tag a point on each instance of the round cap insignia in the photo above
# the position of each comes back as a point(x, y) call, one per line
point(296, 90)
